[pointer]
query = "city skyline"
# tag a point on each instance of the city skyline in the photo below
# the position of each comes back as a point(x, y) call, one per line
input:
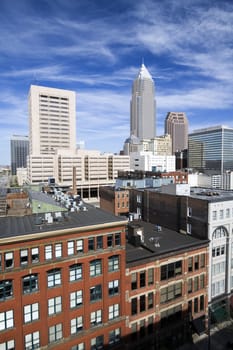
point(96, 49)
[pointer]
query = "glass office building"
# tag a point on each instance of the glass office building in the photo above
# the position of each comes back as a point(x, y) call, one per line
point(210, 150)
point(19, 152)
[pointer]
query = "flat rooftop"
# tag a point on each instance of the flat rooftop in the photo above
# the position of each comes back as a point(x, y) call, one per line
point(159, 241)
point(14, 226)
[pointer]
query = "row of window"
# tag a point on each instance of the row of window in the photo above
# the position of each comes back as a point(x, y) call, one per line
point(145, 302)
point(30, 283)
point(55, 251)
point(31, 313)
point(221, 214)
point(196, 283)
point(171, 270)
point(32, 340)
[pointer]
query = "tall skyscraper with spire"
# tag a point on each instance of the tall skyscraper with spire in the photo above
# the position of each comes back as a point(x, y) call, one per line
point(143, 105)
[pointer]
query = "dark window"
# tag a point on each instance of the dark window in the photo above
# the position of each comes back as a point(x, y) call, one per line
point(118, 239)
point(150, 300)
point(196, 262)
point(190, 264)
point(99, 243)
point(142, 279)
point(134, 281)
point(91, 245)
point(30, 283)
point(96, 293)
point(202, 303)
point(142, 303)
point(134, 306)
point(151, 276)
point(110, 240)
point(196, 305)
point(6, 289)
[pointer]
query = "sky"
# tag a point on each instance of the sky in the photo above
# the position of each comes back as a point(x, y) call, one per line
point(96, 47)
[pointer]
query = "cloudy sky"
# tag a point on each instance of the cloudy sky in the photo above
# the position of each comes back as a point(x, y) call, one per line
point(96, 47)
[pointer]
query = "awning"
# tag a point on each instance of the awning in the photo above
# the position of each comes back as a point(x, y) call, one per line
point(199, 325)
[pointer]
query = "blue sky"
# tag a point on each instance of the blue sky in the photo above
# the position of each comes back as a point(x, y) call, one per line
point(96, 47)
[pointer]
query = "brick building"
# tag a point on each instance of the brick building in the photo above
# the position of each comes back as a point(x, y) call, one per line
point(167, 286)
point(114, 200)
point(62, 281)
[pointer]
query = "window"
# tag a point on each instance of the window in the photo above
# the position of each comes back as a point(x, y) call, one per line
point(113, 287)
point(118, 238)
point(8, 345)
point(134, 281)
point(150, 276)
point(114, 336)
point(142, 303)
point(79, 246)
point(113, 311)
point(171, 292)
point(54, 305)
point(55, 332)
point(91, 243)
point(142, 279)
point(202, 260)
point(76, 325)
point(195, 285)
point(202, 281)
point(134, 306)
point(96, 293)
point(113, 263)
point(190, 285)
point(58, 250)
point(6, 289)
point(99, 242)
point(110, 240)
point(189, 228)
point(97, 343)
point(214, 215)
point(30, 283)
point(31, 312)
point(196, 262)
point(142, 329)
point(227, 213)
point(202, 302)
point(80, 346)
point(150, 300)
point(221, 214)
point(171, 270)
point(54, 277)
point(9, 260)
point(32, 340)
point(189, 211)
point(23, 256)
point(196, 305)
point(70, 247)
point(75, 272)
point(48, 252)
point(190, 264)
point(35, 255)
point(95, 267)
point(96, 317)
point(76, 298)
point(6, 320)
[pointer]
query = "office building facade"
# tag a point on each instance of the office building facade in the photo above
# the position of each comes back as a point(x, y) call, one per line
point(143, 106)
point(19, 152)
point(176, 125)
point(52, 120)
point(210, 150)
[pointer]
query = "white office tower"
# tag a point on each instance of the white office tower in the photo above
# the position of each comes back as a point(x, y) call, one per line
point(143, 105)
point(52, 120)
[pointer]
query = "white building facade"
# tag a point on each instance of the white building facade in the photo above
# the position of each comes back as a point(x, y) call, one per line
point(147, 161)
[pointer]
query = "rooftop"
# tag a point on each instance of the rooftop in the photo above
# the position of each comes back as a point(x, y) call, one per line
point(50, 222)
point(158, 241)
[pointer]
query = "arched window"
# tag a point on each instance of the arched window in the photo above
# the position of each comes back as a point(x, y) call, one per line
point(220, 232)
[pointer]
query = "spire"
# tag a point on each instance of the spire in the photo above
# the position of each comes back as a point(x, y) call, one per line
point(144, 73)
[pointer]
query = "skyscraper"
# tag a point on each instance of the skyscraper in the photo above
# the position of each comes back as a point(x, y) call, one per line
point(52, 120)
point(176, 125)
point(210, 149)
point(19, 152)
point(142, 106)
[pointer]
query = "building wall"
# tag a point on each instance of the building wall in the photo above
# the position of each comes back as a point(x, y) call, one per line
point(115, 201)
point(159, 320)
point(176, 125)
point(59, 285)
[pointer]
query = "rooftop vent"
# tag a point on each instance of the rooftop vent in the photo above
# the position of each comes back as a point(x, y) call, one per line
point(158, 228)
